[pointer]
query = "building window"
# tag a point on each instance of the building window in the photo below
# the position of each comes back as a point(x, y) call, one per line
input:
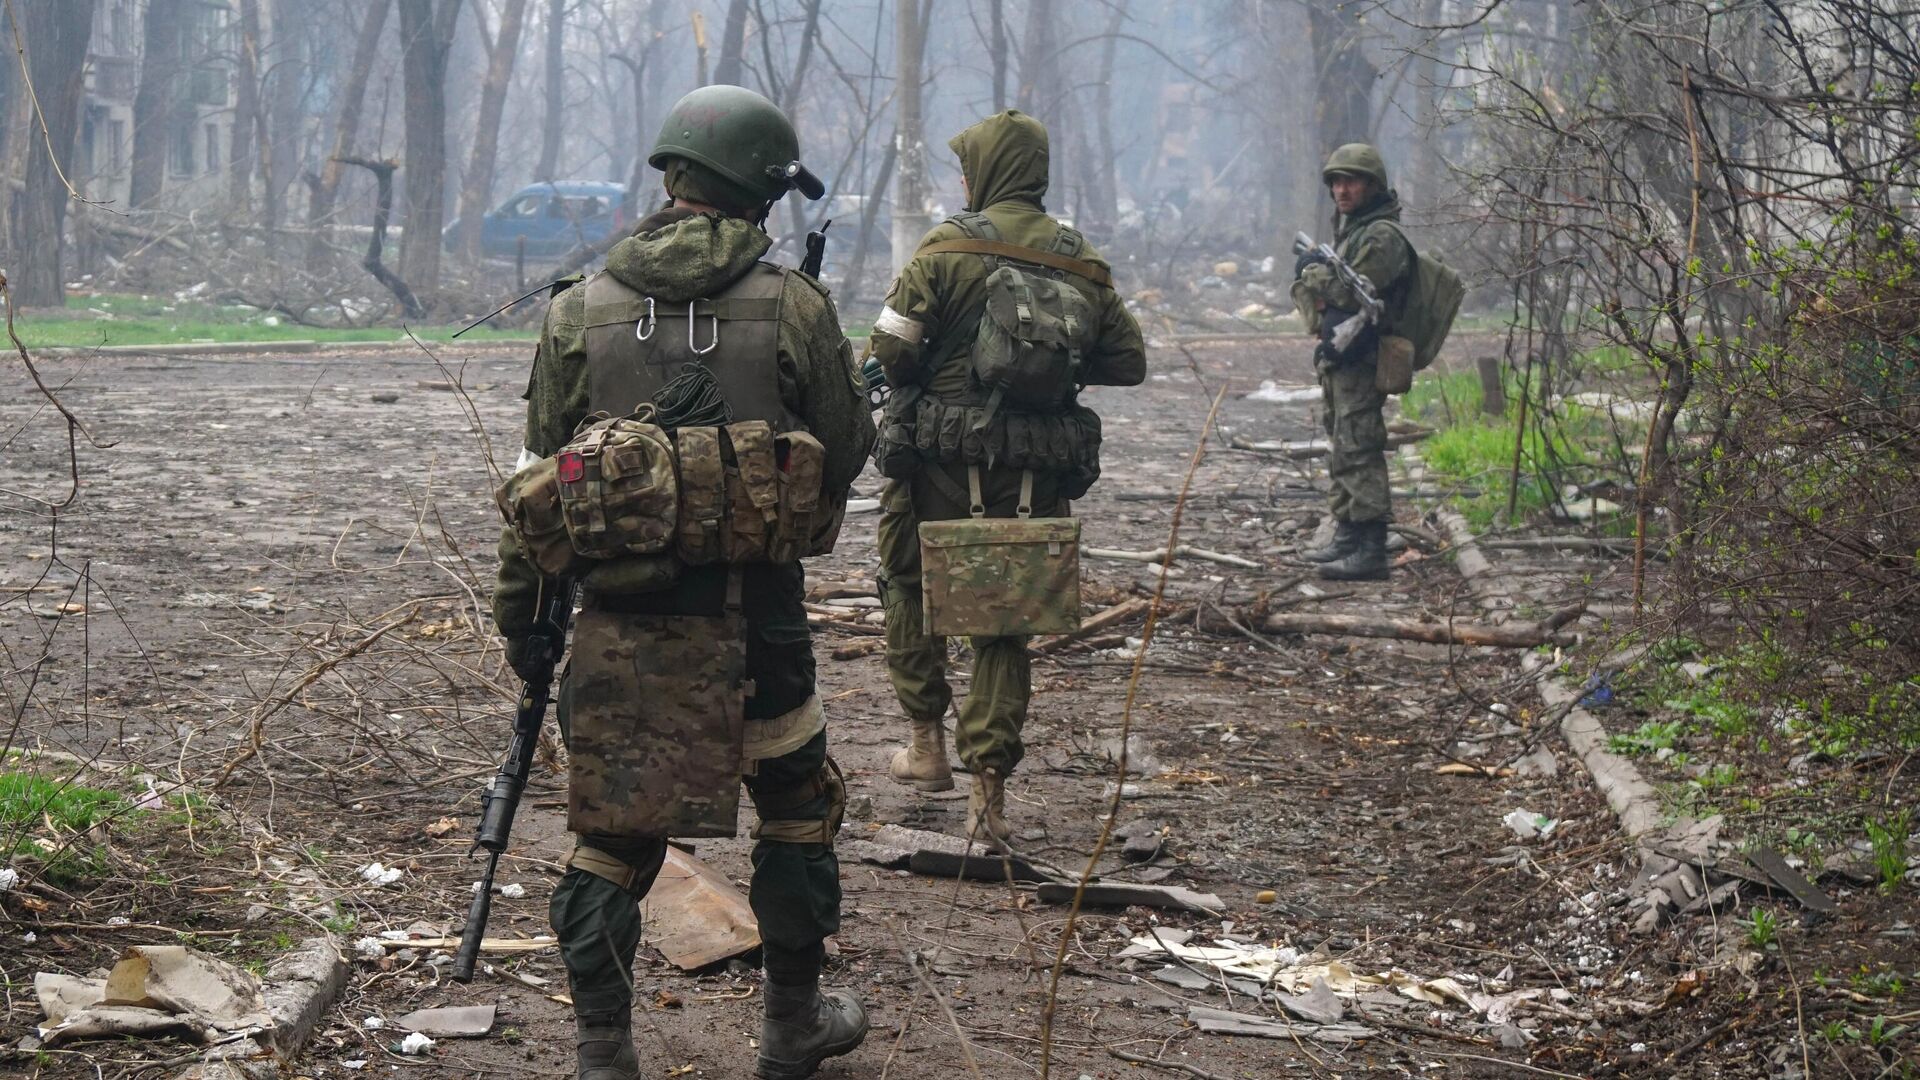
point(213, 148)
point(180, 153)
point(116, 146)
point(120, 28)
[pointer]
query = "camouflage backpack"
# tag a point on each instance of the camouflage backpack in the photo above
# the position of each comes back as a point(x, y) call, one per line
point(1036, 327)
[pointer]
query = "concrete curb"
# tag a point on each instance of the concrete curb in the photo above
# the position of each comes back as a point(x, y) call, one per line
point(266, 348)
point(1664, 884)
point(301, 986)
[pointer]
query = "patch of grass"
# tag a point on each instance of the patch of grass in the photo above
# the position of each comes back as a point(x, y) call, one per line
point(28, 801)
point(1889, 839)
point(1649, 738)
point(120, 319)
point(1762, 928)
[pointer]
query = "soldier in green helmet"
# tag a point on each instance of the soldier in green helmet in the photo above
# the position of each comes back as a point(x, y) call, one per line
point(686, 317)
point(944, 433)
point(1368, 237)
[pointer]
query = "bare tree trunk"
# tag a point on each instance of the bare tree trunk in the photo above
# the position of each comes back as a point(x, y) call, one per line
point(326, 186)
point(55, 37)
point(1344, 76)
point(733, 45)
point(246, 112)
point(997, 50)
point(477, 190)
point(1038, 82)
point(700, 49)
point(556, 86)
point(1104, 195)
point(426, 37)
point(809, 33)
point(291, 25)
point(160, 63)
point(909, 136)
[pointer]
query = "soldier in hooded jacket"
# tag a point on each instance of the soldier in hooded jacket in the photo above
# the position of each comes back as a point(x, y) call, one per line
point(776, 352)
point(922, 340)
point(1367, 237)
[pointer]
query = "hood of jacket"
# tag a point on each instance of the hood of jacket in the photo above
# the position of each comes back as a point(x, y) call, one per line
point(1004, 159)
point(678, 255)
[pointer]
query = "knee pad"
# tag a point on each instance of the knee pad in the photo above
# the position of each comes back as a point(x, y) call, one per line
point(773, 806)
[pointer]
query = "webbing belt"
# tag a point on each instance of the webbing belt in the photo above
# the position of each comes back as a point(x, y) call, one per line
point(1096, 274)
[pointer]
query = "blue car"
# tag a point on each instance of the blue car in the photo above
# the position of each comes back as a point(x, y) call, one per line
point(555, 218)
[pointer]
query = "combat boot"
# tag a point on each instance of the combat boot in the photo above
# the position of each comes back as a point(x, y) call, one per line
point(1367, 561)
point(1345, 537)
point(986, 809)
point(604, 1050)
point(803, 1027)
point(923, 762)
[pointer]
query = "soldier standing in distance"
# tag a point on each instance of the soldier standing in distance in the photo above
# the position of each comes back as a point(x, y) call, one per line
point(778, 354)
point(1366, 235)
point(933, 435)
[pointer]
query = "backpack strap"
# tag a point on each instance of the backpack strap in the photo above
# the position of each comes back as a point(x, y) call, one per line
point(975, 224)
point(1096, 274)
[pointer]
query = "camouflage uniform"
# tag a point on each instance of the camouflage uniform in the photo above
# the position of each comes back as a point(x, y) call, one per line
point(1351, 405)
point(922, 340)
point(676, 256)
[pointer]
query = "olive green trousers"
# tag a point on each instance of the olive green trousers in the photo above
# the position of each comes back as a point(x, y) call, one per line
point(1351, 410)
point(987, 732)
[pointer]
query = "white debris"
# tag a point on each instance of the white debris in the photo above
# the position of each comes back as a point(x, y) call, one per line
point(415, 1043)
point(514, 891)
point(9, 879)
point(119, 920)
point(394, 935)
point(1528, 825)
point(381, 875)
point(29, 937)
point(369, 948)
point(373, 1023)
point(353, 1064)
point(1275, 392)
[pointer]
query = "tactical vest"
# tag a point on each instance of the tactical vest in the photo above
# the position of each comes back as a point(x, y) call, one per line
point(965, 424)
point(636, 345)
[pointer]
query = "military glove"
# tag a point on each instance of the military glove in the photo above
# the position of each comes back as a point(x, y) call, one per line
point(525, 662)
point(1307, 259)
point(1328, 352)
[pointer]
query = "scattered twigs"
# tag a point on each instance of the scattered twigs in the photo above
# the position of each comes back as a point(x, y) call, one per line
point(1171, 1066)
point(1089, 627)
point(1126, 728)
point(1515, 636)
point(1186, 551)
point(966, 1045)
point(313, 674)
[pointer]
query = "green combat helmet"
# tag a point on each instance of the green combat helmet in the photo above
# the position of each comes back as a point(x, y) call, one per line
point(1356, 159)
point(740, 135)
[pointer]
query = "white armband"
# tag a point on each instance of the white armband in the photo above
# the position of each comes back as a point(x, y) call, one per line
point(894, 324)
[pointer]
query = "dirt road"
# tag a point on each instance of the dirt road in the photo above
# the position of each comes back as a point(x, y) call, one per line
point(283, 565)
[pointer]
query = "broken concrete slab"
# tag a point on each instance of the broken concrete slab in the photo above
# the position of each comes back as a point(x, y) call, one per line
point(301, 986)
point(449, 1022)
point(978, 866)
point(1319, 1005)
point(694, 915)
point(938, 855)
point(153, 990)
point(1114, 894)
point(1774, 865)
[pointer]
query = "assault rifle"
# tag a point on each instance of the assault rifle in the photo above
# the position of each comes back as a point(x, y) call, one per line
point(816, 251)
point(545, 645)
point(1349, 329)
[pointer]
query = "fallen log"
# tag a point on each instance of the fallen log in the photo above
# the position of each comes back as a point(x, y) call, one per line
point(1593, 544)
point(1187, 551)
point(1513, 636)
point(856, 650)
point(1309, 449)
point(1094, 624)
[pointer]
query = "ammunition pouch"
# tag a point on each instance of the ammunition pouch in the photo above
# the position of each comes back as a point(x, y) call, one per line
point(919, 429)
point(636, 502)
point(1000, 577)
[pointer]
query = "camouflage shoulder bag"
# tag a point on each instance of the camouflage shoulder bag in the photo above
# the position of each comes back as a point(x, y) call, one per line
point(1000, 577)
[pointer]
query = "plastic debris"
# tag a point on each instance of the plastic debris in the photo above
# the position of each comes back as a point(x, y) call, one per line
point(381, 875)
point(9, 879)
point(415, 1043)
point(453, 1022)
point(514, 891)
point(1528, 825)
point(1283, 395)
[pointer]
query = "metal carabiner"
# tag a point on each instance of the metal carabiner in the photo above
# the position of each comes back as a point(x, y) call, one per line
point(712, 344)
point(643, 329)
